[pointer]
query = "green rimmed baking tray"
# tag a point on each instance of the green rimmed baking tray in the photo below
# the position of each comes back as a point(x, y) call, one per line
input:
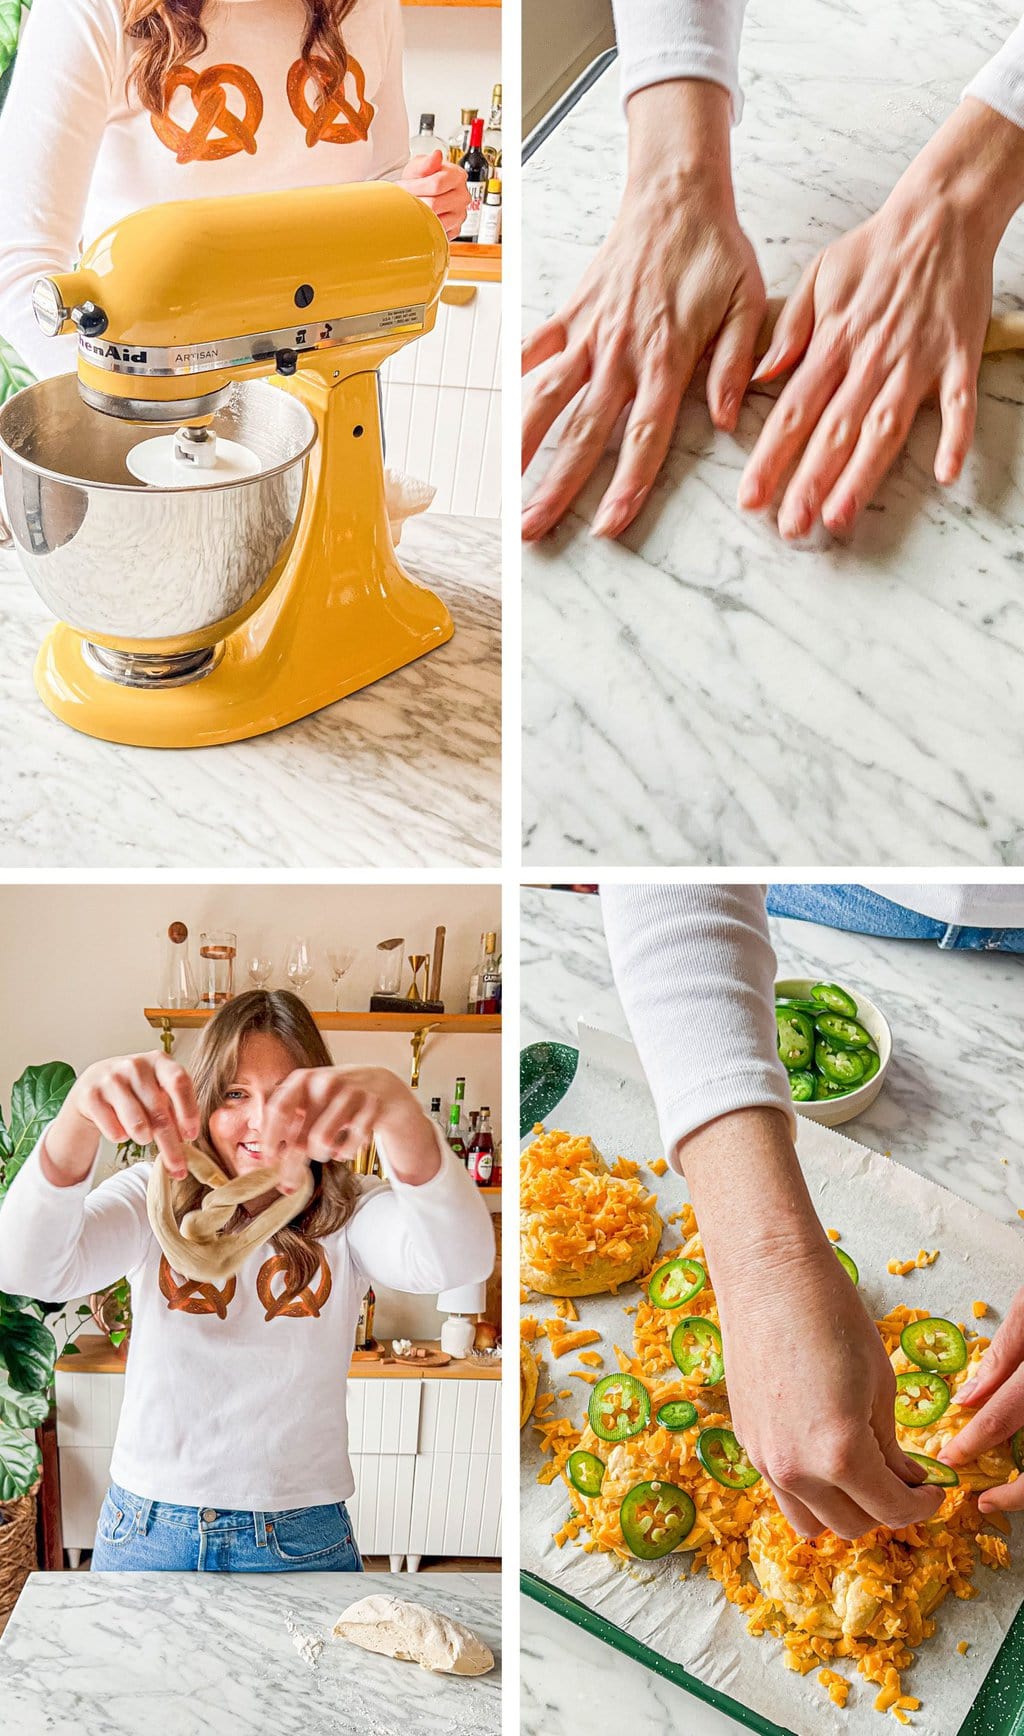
point(546, 1070)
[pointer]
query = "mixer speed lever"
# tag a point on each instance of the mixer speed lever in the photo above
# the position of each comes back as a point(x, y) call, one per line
point(90, 319)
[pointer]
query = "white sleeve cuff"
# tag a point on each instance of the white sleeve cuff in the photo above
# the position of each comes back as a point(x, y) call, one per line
point(661, 40)
point(1000, 83)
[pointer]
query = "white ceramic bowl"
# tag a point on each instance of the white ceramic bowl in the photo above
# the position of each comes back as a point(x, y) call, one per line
point(833, 1111)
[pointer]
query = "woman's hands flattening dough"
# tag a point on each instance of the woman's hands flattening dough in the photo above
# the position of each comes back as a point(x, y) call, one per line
point(889, 315)
point(675, 279)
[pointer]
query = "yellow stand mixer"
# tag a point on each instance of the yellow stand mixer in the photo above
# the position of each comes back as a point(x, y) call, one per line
point(194, 615)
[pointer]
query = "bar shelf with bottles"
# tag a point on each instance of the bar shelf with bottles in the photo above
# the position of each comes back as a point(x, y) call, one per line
point(475, 144)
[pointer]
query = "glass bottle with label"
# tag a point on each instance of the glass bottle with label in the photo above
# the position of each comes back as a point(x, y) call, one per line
point(179, 985)
point(477, 168)
point(490, 987)
point(364, 1330)
point(481, 1155)
point(476, 981)
point(455, 1139)
point(492, 132)
point(490, 216)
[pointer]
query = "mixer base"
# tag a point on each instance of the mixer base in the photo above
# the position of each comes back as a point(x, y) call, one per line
point(142, 669)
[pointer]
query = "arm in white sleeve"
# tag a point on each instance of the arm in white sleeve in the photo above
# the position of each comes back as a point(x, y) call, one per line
point(1000, 83)
point(60, 1242)
point(695, 973)
point(389, 132)
point(50, 132)
point(666, 39)
point(422, 1239)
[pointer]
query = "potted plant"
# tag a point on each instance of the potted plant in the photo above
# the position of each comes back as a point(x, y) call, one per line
point(11, 14)
point(27, 1346)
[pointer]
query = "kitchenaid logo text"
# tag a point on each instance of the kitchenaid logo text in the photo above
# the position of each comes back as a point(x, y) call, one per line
point(112, 352)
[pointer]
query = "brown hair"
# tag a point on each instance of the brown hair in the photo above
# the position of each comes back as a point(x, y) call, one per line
point(284, 1016)
point(167, 33)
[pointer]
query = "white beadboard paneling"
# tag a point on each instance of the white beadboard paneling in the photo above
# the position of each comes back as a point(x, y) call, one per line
point(381, 1508)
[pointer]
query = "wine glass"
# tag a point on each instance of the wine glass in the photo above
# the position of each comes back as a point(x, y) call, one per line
point(299, 964)
point(260, 969)
point(341, 959)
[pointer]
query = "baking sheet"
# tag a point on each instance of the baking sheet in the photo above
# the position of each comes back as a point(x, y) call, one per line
point(883, 1212)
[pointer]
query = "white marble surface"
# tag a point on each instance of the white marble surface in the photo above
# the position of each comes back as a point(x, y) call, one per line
point(405, 773)
point(168, 1654)
point(700, 693)
point(952, 1107)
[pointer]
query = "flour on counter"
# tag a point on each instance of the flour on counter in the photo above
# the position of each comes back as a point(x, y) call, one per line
point(308, 1646)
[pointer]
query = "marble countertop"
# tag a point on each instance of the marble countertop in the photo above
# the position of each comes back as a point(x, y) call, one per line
point(116, 1654)
point(699, 692)
point(405, 773)
point(952, 1107)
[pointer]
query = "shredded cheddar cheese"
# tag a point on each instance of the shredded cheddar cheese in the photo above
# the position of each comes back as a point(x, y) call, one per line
point(658, 1167)
point(833, 1236)
point(592, 1358)
point(979, 1310)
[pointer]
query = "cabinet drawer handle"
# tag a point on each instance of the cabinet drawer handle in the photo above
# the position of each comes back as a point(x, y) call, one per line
point(458, 294)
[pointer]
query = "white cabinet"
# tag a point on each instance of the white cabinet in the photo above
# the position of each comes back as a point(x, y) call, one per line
point(426, 1456)
point(442, 404)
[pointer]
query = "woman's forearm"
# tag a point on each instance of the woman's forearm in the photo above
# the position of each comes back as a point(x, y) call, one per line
point(749, 1194)
point(680, 131)
point(976, 161)
point(69, 1146)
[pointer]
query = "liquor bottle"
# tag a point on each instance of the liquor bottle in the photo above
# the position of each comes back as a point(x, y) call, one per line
point(179, 985)
point(489, 1000)
point(476, 981)
point(458, 144)
point(435, 1114)
point(476, 166)
point(426, 141)
point(364, 1330)
point(492, 134)
point(481, 1153)
point(455, 1139)
point(490, 216)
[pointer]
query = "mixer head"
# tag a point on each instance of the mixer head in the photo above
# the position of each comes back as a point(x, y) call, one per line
point(175, 303)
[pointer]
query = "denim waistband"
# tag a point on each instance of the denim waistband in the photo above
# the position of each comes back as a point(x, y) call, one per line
point(206, 1518)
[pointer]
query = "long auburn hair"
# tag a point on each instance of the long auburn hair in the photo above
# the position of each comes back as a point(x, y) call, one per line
point(167, 33)
point(285, 1016)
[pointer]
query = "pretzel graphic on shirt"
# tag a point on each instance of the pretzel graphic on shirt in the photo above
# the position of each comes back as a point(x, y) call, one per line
point(216, 131)
point(309, 1301)
point(321, 119)
point(201, 1247)
point(191, 1297)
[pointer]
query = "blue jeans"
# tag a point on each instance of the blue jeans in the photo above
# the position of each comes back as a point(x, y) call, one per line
point(859, 911)
point(135, 1535)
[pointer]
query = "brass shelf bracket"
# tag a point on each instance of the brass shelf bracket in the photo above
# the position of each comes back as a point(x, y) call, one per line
point(417, 1043)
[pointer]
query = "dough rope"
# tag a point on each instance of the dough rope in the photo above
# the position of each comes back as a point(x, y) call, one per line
point(199, 1247)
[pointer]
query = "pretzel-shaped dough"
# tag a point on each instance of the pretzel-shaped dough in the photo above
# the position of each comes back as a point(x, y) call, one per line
point(198, 1248)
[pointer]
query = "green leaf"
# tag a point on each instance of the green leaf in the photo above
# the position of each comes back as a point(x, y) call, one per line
point(23, 1410)
point(117, 1338)
point(28, 1351)
point(39, 1093)
point(84, 1312)
point(10, 27)
point(71, 1349)
point(20, 1463)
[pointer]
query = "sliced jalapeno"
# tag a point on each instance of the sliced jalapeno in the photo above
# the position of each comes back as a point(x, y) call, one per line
point(839, 1066)
point(1017, 1449)
point(935, 1472)
point(921, 1398)
point(794, 1034)
point(586, 1472)
point(678, 1413)
point(847, 1264)
point(828, 1088)
point(935, 1344)
point(801, 1086)
point(832, 999)
point(841, 1032)
point(800, 1005)
point(724, 1459)
point(871, 1064)
point(655, 1519)
point(676, 1282)
point(620, 1406)
point(696, 1346)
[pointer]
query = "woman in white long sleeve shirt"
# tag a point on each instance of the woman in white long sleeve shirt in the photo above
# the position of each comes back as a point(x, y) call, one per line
point(872, 329)
point(695, 971)
point(119, 104)
point(231, 1450)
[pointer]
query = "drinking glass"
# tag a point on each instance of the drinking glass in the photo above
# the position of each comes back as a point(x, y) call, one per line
point(299, 964)
point(341, 959)
point(260, 969)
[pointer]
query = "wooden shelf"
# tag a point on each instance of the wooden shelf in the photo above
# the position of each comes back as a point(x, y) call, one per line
point(471, 263)
point(98, 1357)
point(460, 1024)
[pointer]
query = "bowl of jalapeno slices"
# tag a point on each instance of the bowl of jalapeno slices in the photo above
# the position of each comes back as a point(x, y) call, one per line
point(835, 1045)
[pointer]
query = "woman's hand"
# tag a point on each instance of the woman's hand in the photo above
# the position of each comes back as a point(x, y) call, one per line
point(676, 278)
point(811, 1389)
point(325, 1114)
point(996, 1395)
point(891, 314)
point(440, 185)
point(147, 1098)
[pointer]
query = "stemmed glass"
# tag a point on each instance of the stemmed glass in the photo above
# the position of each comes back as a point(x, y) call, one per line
point(341, 959)
point(260, 969)
point(299, 964)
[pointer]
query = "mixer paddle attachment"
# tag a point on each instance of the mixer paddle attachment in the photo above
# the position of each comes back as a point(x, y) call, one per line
point(192, 457)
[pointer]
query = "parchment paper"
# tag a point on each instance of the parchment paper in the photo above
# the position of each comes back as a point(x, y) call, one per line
point(883, 1212)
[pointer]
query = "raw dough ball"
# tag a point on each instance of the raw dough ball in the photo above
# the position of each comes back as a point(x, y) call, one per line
point(415, 1634)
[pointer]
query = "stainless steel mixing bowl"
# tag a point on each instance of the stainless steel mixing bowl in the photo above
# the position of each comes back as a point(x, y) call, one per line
point(120, 561)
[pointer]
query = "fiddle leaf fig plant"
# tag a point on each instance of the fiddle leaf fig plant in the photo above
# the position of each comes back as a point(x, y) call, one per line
point(28, 1349)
